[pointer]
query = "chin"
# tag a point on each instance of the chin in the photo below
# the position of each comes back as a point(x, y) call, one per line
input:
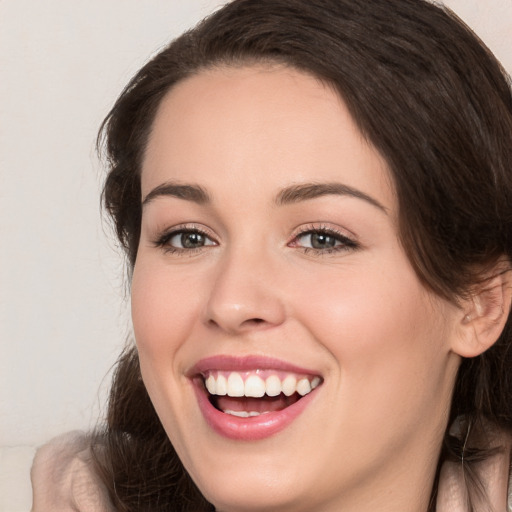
point(254, 491)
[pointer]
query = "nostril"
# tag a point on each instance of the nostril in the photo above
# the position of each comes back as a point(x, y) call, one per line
point(254, 321)
point(249, 322)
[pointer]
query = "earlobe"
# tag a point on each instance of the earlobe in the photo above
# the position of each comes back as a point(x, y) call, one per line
point(485, 313)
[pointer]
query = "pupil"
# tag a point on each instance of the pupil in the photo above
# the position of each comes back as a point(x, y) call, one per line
point(192, 240)
point(321, 240)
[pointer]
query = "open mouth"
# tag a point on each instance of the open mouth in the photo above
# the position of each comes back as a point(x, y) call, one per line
point(250, 394)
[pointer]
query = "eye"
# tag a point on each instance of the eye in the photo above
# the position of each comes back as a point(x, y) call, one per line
point(189, 240)
point(319, 240)
point(182, 240)
point(323, 240)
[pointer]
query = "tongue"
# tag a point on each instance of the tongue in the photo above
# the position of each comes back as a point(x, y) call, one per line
point(264, 404)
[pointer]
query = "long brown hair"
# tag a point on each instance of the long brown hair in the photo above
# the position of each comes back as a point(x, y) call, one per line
point(429, 96)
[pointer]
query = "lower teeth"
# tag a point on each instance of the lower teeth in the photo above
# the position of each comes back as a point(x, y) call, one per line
point(243, 414)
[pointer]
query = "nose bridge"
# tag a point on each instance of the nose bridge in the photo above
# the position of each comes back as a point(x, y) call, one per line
point(244, 294)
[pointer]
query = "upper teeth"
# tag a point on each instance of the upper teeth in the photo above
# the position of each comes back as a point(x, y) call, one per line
point(234, 385)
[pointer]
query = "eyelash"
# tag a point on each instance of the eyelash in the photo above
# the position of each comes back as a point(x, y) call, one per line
point(344, 243)
point(163, 240)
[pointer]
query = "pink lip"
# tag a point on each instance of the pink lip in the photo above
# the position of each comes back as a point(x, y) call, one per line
point(253, 428)
point(247, 363)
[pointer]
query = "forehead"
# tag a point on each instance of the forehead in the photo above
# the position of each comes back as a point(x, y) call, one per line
point(259, 127)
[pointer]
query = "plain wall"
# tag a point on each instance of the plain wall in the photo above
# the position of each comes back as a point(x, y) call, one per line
point(63, 310)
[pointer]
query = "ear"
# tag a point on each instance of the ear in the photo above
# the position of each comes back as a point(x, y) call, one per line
point(485, 313)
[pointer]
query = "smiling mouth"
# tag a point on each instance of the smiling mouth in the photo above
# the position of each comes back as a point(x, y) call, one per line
point(253, 393)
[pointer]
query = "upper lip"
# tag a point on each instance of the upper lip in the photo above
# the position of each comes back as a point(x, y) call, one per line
point(246, 363)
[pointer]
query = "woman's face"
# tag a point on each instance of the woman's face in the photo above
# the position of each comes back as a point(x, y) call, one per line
point(270, 270)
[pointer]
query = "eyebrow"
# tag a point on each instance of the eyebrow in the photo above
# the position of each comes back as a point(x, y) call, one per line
point(305, 191)
point(289, 195)
point(193, 193)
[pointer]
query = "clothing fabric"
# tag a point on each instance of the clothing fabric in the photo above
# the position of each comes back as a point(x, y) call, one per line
point(64, 479)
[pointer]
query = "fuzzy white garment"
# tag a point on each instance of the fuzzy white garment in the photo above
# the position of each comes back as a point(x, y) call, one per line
point(64, 480)
point(495, 476)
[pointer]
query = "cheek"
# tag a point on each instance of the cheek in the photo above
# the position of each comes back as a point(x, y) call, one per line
point(389, 347)
point(164, 306)
point(385, 332)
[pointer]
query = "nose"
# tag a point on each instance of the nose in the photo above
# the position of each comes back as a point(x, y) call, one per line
point(244, 295)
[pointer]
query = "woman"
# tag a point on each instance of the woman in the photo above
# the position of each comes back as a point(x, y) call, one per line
point(315, 201)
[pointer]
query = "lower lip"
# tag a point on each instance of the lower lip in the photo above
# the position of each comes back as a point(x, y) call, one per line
point(253, 428)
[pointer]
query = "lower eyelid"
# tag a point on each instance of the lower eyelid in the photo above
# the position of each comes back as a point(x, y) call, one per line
point(164, 236)
point(343, 239)
point(208, 241)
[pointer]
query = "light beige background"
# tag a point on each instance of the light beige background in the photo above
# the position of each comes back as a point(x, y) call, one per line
point(63, 313)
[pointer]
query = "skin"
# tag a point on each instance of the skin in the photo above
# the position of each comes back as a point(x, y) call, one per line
point(359, 316)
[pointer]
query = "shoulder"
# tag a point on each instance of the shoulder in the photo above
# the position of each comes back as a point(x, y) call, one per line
point(493, 473)
point(64, 479)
